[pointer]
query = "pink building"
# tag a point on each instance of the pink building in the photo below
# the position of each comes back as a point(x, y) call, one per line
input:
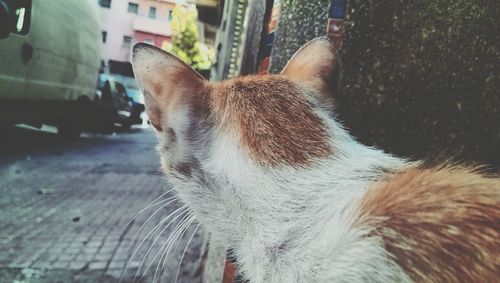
point(124, 22)
point(154, 25)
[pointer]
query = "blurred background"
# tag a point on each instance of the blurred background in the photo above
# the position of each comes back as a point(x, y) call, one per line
point(77, 158)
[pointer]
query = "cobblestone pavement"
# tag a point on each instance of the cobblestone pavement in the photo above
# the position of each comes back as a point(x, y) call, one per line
point(65, 208)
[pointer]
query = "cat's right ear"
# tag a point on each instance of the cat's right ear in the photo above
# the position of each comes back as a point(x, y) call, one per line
point(168, 84)
point(316, 65)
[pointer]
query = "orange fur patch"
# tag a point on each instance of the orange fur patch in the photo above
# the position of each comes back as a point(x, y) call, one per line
point(275, 122)
point(440, 225)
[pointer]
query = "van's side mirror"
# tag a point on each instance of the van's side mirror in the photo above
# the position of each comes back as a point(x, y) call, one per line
point(5, 19)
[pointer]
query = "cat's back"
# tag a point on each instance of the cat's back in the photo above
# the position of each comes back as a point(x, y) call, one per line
point(438, 224)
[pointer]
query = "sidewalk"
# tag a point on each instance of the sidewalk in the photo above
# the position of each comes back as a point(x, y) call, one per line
point(64, 215)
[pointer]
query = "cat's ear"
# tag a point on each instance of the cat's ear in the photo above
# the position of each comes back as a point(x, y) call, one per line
point(168, 84)
point(317, 65)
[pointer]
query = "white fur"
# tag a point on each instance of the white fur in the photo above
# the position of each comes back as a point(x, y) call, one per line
point(291, 224)
point(284, 223)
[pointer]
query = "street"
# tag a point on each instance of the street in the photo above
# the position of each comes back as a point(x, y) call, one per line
point(65, 208)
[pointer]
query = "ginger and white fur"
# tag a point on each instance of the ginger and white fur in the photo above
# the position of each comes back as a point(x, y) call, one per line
point(325, 208)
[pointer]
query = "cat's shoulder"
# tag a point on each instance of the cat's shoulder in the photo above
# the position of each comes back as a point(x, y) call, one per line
point(441, 224)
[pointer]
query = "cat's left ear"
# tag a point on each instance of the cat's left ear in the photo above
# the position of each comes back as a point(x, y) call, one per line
point(317, 65)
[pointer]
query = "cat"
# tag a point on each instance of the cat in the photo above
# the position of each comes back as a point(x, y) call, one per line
point(266, 168)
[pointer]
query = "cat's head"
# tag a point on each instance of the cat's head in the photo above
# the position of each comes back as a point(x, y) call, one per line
point(217, 136)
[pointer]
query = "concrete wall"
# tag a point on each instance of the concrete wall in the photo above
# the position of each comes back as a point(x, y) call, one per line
point(421, 78)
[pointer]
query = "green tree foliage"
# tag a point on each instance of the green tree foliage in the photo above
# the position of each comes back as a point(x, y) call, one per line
point(185, 44)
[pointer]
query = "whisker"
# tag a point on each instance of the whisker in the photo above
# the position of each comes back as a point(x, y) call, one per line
point(169, 201)
point(179, 228)
point(152, 231)
point(143, 240)
point(156, 239)
point(152, 203)
point(175, 238)
point(184, 252)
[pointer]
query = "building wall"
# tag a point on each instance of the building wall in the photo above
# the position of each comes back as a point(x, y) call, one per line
point(162, 9)
point(157, 40)
point(155, 31)
point(117, 22)
point(228, 41)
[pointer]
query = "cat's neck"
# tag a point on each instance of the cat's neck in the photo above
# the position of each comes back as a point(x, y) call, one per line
point(279, 210)
point(265, 212)
point(272, 201)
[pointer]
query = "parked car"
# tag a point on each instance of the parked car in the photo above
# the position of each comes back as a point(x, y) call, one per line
point(122, 72)
point(49, 62)
point(137, 99)
point(117, 104)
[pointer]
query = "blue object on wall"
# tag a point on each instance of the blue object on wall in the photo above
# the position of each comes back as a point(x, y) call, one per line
point(337, 9)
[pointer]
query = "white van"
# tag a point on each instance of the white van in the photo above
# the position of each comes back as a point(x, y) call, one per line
point(49, 62)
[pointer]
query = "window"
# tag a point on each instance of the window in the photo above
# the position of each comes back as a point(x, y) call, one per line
point(170, 15)
point(133, 7)
point(127, 41)
point(104, 36)
point(152, 12)
point(105, 3)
